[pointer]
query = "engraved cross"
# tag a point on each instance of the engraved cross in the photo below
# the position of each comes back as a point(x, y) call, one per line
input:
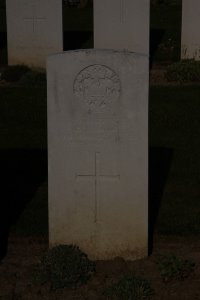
point(34, 19)
point(97, 177)
point(122, 11)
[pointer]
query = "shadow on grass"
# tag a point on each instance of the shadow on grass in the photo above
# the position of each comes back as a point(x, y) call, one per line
point(22, 172)
point(159, 165)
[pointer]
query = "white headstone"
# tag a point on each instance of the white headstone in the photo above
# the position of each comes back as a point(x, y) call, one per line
point(122, 25)
point(34, 30)
point(98, 152)
point(190, 44)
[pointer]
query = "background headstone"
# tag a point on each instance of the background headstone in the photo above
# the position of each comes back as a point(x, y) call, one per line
point(98, 152)
point(34, 30)
point(122, 25)
point(190, 29)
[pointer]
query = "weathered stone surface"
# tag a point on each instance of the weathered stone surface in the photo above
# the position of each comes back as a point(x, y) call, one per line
point(98, 152)
point(190, 44)
point(122, 25)
point(34, 30)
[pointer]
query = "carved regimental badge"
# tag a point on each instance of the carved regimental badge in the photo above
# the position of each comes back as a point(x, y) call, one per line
point(98, 86)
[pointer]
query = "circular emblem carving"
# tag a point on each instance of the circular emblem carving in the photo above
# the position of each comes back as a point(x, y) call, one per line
point(98, 86)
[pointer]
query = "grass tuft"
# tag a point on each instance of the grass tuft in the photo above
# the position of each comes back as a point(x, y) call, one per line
point(184, 71)
point(64, 266)
point(14, 73)
point(174, 268)
point(33, 79)
point(130, 288)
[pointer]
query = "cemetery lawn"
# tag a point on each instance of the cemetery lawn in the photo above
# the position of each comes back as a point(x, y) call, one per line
point(174, 195)
point(23, 130)
point(174, 135)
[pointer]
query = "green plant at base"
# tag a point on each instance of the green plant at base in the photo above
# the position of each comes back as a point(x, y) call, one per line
point(172, 267)
point(14, 73)
point(130, 288)
point(184, 71)
point(64, 266)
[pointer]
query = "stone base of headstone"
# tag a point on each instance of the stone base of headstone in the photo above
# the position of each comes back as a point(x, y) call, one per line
point(34, 31)
point(122, 25)
point(190, 43)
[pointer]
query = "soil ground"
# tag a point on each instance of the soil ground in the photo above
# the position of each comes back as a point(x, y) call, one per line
point(16, 272)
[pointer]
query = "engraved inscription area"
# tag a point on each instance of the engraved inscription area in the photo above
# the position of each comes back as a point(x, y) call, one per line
point(97, 131)
point(98, 86)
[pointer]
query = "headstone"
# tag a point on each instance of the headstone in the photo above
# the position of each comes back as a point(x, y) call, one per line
point(98, 152)
point(34, 30)
point(122, 25)
point(190, 44)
